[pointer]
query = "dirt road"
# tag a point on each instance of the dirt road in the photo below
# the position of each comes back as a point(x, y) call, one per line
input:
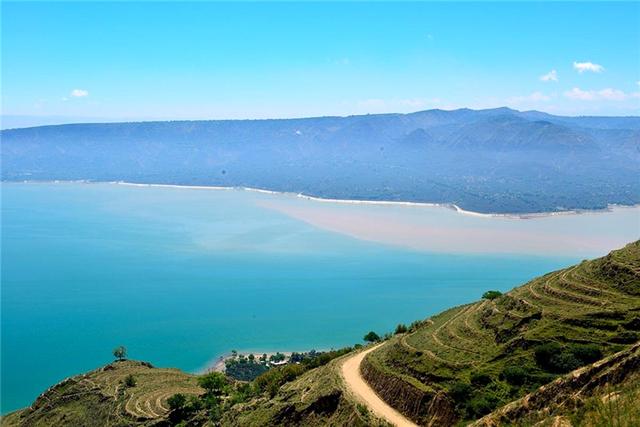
point(365, 394)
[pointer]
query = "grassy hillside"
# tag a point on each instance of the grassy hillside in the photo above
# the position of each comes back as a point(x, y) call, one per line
point(316, 398)
point(470, 359)
point(562, 349)
point(103, 397)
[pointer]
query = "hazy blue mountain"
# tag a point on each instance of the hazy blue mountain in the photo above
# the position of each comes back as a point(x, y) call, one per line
point(497, 160)
point(12, 121)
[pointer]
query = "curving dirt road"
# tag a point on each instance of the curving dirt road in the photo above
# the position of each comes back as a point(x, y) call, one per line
point(364, 393)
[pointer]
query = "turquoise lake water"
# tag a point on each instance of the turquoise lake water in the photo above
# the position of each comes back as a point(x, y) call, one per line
point(181, 276)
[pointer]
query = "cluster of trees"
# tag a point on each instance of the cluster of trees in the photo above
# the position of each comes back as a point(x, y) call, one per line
point(401, 328)
point(246, 368)
point(556, 358)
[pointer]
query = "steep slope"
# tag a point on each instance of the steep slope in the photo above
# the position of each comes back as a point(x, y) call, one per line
point(608, 381)
point(465, 362)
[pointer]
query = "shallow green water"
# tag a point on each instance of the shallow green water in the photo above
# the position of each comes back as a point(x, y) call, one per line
point(181, 276)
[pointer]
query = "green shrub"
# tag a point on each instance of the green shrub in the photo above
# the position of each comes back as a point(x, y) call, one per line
point(564, 362)
point(242, 393)
point(130, 381)
point(177, 402)
point(481, 405)
point(491, 294)
point(625, 337)
point(362, 409)
point(586, 353)
point(214, 383)
point(515, 375)
point(555, 358)
point(194, 403)
point(401, 329)
point(544, 352)
point(541, 378)
point(460, 391)
point(271, 381)
point(480, 378)
point(371, 337)
point(415, 325)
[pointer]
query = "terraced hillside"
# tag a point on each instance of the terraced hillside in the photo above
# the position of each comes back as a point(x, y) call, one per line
point(102, 398)
point(464, 362)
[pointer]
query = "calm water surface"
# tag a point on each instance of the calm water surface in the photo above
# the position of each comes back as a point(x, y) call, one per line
point(181, 276)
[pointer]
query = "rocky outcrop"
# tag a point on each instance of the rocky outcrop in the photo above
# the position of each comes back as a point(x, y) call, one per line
point(425, 407)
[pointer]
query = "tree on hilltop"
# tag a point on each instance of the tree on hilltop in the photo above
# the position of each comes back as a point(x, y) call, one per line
point(491, 294)
point(372, 337)
point(120, 352)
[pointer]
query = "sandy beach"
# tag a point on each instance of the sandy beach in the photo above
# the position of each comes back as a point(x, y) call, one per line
point(450, 206)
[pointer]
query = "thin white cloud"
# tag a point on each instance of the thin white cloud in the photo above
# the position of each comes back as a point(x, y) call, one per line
point(613, 94)
point(551, 76)
point(533, 97)
point(372, 103)
point(583, 95)
point(581, 67)
point(398, 105)
point(607, 94)
point(414, 103)
point(79, 93)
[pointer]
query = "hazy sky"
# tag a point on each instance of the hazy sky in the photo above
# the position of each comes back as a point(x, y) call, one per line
point(254, 60)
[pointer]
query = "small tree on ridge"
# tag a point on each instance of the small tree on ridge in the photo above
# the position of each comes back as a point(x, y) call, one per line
point(120, 352)
point(372, 337)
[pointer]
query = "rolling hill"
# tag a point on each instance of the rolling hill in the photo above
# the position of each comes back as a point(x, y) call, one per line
point(497, 160)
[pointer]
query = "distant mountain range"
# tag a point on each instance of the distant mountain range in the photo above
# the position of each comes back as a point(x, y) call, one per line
point(498, 160)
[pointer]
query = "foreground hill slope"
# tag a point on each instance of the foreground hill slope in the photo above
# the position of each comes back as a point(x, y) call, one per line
point(604, 393)
point(559, 350)
point(497, 160)
point(102, 398)
point(470, 359)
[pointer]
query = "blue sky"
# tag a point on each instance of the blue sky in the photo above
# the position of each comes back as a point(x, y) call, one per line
point(133, 61)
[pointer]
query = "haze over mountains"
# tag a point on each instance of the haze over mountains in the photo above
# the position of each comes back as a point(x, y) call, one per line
point(497, 160)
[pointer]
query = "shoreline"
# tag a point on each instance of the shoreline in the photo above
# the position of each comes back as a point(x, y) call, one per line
point(218, 364)
point(451, 206)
